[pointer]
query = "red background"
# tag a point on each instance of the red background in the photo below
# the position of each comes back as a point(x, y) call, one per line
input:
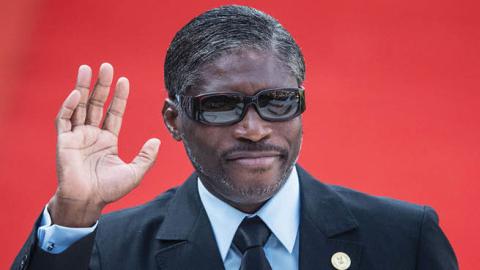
point(392, 94)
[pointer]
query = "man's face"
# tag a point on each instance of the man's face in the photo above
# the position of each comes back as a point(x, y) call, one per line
point(245, 163)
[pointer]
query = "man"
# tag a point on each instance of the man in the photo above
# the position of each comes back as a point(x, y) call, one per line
point(234, 77)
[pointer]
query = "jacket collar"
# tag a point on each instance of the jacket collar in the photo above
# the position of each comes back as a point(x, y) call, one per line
point(186, 236)
point(326, 226)
point(324, 207)
point(184, 211)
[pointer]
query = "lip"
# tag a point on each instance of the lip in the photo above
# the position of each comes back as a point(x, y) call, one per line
point(253, 158)
point(251, 155)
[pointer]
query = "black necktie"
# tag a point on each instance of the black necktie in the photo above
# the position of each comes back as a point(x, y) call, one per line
point(250, 237)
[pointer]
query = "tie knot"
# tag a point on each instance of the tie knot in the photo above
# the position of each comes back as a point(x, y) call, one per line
point(251, 233)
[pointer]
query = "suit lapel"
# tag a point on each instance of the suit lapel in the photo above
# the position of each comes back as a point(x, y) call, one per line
point(326, 226)
point(186, 238)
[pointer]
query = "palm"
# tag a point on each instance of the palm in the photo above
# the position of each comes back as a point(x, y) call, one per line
point(89, 170)
point(89, 159)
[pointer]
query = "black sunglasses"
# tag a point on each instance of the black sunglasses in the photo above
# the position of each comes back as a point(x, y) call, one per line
point(222, 109)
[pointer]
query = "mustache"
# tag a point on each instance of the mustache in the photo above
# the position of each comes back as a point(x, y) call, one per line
point(254, 146)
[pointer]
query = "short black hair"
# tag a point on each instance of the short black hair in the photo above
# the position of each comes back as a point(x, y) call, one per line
point(223, 29)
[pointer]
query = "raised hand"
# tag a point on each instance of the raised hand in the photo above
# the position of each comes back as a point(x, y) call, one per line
point(90, 172)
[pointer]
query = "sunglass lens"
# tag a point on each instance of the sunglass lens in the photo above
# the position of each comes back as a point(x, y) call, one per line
point(277, 105)
point(221, 109)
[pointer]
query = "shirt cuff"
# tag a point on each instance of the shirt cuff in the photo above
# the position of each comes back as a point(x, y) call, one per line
point(55, 238)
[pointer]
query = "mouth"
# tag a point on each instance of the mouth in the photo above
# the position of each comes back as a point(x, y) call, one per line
point(252, 159)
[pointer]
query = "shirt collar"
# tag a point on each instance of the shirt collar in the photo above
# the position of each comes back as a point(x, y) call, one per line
point(281, 214)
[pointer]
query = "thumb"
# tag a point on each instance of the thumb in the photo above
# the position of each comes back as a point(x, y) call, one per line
point(145, 158)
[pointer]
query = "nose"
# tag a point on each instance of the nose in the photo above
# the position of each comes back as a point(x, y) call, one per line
point(252, 127)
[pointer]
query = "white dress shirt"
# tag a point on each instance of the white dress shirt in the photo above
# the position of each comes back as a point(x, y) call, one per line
point(281, 214)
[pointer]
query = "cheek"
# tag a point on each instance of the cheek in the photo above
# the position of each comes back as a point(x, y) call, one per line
point(294, 133)
point(204, 143)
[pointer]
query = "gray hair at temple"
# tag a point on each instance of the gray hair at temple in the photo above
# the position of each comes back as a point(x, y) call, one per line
point(220, 30)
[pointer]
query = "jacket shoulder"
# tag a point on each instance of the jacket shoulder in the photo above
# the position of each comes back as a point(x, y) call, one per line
point(400, 228)
point(381, 218)
point(362, 206)
point(378, 206)
point(145, 218)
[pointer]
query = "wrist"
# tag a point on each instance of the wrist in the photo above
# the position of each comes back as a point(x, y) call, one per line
point(73, 213)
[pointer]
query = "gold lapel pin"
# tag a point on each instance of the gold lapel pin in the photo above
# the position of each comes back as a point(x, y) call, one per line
point(341, 261)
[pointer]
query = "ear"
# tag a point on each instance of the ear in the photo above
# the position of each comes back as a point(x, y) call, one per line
point(171, 119)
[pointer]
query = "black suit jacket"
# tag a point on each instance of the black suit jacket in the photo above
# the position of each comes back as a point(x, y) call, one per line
point(174, 232)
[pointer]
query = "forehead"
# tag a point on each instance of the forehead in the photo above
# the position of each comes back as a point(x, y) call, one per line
point(246, 71)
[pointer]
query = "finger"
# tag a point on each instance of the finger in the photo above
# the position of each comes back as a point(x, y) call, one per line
point(113, 120)
point(84, 78)
point(99, 95)
point(145, 159)
point(63, 121)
